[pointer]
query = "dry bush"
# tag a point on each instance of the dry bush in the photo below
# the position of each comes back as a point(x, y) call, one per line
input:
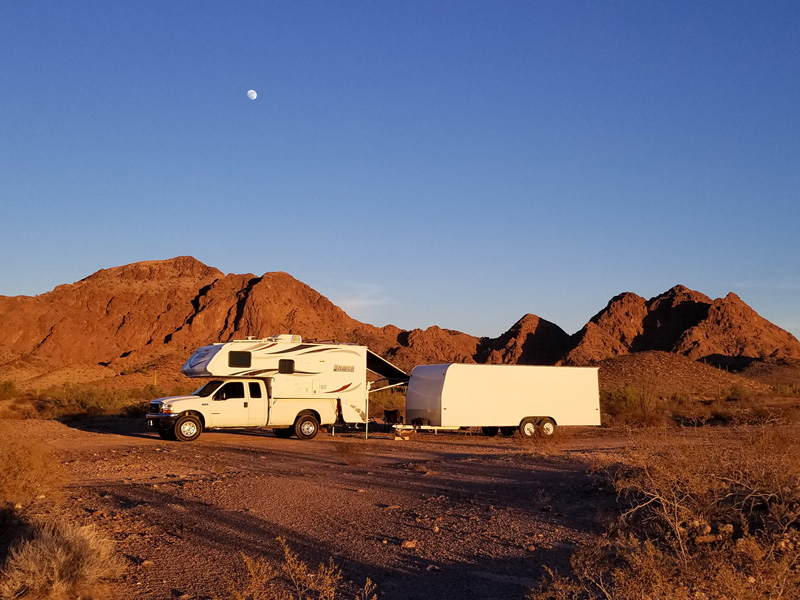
point(8, 390)
point(292, 580)
point(633, 406)
point(699, 521)
point(350, 451)
point(58, 559)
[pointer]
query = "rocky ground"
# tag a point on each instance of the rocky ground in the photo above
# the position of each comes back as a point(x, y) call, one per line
point(446, 516)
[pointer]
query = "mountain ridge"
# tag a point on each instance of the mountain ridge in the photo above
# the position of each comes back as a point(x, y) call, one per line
point(151, 312)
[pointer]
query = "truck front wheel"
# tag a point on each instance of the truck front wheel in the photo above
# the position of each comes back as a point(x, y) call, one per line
point(306, 427)
point(188, 428)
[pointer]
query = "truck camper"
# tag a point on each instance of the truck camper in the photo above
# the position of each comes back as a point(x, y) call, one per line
point(282, 382)
point(502, 398)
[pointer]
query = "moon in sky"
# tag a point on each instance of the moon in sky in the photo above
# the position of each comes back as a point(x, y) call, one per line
point(252, 94)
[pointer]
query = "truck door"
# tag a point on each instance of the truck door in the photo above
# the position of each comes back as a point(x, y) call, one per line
point(229, 407)
point(257, 407)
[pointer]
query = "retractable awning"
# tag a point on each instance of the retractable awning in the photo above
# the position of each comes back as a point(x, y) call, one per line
point(385, 369)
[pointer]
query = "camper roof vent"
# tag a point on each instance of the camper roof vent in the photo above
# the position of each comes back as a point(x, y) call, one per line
point(286, 337)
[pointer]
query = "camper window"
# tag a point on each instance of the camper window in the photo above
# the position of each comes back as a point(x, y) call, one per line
point(239, 359)
point(286, 366)
point(232, 389)
point(255, 389)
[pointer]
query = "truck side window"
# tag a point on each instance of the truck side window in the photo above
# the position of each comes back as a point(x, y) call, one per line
point(286, 366)
point(232, 389)
point(255, 389)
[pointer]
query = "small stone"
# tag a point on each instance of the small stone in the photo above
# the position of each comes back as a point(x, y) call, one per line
point(531, 548)
point(431, 568)
point(361, 491)
point(385, 542)
point(393, 507)
point(409, 544)
point(751, 579)
point(436, 529)
point(148, 563)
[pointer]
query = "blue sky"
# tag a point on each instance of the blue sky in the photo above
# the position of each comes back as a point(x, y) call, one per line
point(419, 163)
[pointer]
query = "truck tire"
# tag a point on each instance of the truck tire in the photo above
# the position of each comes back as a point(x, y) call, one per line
point(188, 428)
point(527, 428)
point(306, 427)
point(489, 431)
point(547, 427)
point(283, 432)
point(508, 431)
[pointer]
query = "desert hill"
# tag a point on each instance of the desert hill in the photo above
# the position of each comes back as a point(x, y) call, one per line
point(149, 316)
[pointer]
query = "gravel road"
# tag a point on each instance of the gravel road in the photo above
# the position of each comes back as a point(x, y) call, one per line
point(435, 516)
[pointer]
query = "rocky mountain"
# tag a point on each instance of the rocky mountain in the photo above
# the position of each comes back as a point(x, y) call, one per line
point(153, 314)
point(724, 331)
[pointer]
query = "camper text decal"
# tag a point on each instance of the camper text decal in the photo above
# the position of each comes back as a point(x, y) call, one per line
point(345, 368)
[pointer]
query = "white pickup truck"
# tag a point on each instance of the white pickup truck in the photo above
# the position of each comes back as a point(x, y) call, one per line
point(238, 403)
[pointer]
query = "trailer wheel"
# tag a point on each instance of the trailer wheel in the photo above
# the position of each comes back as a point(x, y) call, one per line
point(527, 428)
point(306, 427)
point(508, 431)
point(547, 427)
point(167, 434)
point(283, 432)
point(489, 431)
point(188, 428)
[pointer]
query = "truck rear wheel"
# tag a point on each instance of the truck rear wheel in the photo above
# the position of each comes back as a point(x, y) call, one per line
point(489, 431)
point(188, 428)
point(306, 427)
point(547, 427)
point(527, 428)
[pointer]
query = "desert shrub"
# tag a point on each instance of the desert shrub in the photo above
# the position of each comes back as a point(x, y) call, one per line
point(632, 406)
point(739, 392)
point(8, 390)
point(699, 521)
point(291, 580)
point(57, 559)
point(391, 399)
point(786, 390)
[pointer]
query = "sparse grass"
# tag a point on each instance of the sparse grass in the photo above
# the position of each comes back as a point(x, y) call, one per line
point(88, 401)
point(293, 579)
point(699, 520)
point(58, 559)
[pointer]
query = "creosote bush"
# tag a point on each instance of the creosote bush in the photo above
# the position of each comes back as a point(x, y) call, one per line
point(58, 559)
point(711, 520)
point(292, 580)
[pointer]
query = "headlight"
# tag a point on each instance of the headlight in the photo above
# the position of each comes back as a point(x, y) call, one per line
point(166, 408)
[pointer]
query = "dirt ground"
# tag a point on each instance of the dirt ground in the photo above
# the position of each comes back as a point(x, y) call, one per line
point(480, 517)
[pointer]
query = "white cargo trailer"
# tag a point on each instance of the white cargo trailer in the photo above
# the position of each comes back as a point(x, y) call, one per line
point(505, 398)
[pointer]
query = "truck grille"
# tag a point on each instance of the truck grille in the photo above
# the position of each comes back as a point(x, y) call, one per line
point(155, 407)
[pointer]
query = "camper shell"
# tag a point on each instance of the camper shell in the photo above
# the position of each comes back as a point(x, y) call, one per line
point(281, 382)
point(505, 398)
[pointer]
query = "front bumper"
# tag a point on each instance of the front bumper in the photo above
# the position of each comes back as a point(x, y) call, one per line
point(159, 421)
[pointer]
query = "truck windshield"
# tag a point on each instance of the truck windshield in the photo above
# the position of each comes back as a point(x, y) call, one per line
point(208, 388)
